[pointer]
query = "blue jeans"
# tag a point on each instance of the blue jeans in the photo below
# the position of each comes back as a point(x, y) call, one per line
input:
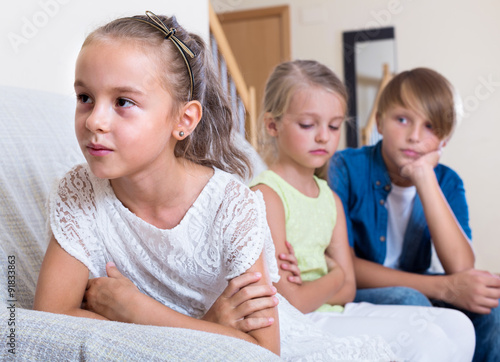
point(486, 326)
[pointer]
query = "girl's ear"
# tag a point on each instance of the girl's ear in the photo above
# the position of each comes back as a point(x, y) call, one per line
point(271, 125)
point(189, 118)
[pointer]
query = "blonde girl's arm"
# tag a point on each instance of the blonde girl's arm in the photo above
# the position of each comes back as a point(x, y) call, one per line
point(117, 298)
point(340, 252)
point(308, 296)
point(61, 283)
point(289, 263)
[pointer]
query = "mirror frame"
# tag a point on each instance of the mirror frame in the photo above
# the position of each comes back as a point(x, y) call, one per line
point(350, 38)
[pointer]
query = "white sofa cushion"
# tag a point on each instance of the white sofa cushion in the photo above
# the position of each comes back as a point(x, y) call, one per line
point(37, 145)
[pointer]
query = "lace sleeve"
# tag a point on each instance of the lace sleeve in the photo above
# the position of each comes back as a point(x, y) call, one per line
point(72, 214)
point(246, 232)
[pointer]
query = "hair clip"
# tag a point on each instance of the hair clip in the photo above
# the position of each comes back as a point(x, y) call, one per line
point(157, 23)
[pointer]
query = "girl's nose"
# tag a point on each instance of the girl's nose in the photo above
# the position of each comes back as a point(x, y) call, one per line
point(98, 121)
point(322, 135)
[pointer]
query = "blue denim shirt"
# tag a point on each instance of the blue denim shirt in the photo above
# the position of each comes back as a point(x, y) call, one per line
point(360, 178)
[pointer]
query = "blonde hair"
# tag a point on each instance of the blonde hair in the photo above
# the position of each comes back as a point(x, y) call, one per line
point(282, 84)
point(210, 144)
point(424, 91)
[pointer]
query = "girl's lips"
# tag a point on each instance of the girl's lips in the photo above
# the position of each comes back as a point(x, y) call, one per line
point(319, 152)
point(98, 150)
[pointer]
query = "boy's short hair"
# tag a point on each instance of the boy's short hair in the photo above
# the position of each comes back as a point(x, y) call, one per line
point(425, 91)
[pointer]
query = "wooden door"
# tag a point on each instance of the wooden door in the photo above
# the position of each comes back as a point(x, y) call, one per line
point(260, 40)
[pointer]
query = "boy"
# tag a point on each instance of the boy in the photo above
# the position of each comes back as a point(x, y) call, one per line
point(407, 215)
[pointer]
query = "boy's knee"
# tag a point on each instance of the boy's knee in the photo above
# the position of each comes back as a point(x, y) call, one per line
point(410, 296)
point(488, 322)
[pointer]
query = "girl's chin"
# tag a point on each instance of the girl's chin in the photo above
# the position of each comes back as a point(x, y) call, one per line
point(100, 172)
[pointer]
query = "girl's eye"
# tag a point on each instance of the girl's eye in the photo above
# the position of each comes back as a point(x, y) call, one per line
point(333, 127)
point(305, 126)
point(402, 120)
point(83, 98)
point(429, 126)
point(125, 103)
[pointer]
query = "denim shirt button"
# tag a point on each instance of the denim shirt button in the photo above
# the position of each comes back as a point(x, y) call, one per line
point(377, 183)
point(382, 202)
point(387, 187)
point(382, 238)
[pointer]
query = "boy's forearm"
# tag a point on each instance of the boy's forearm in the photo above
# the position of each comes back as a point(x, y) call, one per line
point(451, 243)
point(373, 275)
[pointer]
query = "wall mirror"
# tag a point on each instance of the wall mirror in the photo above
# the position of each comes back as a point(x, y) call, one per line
point(369, 61)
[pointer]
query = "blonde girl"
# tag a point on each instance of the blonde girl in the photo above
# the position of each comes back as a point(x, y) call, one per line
point(304, 108)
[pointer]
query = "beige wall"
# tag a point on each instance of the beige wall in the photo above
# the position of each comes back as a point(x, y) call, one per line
point(40, 39)
point(458, 39)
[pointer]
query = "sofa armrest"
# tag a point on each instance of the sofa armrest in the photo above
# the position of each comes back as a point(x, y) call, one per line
point(41, 336)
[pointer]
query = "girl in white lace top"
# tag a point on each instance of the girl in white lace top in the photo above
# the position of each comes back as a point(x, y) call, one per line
point(155, 216)
point(153, 198)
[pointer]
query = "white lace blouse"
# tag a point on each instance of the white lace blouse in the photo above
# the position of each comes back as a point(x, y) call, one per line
point(187, 267)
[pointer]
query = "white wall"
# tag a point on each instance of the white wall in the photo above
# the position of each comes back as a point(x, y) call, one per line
point(457, 38)
point(40, 39)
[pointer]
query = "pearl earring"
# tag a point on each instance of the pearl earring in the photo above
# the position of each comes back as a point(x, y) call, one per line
point(181, 134)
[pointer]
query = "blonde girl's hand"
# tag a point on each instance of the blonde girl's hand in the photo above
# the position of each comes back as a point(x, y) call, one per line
point(112, 297)
point(291, 265)
point(240, 300)
point(423, 166)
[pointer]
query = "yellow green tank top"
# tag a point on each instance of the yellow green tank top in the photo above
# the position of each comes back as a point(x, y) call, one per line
point(309, 224)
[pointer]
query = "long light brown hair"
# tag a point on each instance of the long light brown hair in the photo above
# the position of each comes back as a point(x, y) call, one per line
point(210, 144)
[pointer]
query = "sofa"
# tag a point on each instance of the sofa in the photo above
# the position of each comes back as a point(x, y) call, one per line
point(37, 146)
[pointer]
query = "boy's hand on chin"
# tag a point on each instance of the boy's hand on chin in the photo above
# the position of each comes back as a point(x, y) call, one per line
point(423, 166)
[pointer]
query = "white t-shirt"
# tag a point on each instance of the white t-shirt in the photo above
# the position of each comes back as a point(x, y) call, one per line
point(399, 205)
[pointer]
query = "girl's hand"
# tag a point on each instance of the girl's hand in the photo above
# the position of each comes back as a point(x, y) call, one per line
point(240, 299)
point(291, 265)
point(421, 167)
point(112, 297)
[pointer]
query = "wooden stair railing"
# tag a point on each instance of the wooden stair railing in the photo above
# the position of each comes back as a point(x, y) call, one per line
point(243, 97)
point(369, 133)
